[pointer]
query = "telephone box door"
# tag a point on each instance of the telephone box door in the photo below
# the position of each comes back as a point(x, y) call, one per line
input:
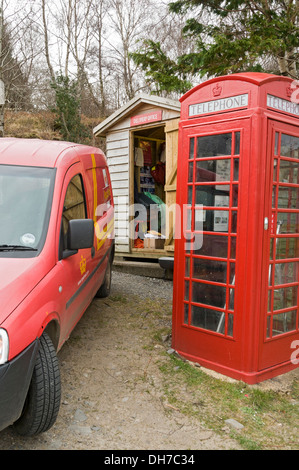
point(281, 247)
point(206, 303)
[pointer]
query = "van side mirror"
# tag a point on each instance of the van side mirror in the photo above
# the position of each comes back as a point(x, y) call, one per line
point(80, 235)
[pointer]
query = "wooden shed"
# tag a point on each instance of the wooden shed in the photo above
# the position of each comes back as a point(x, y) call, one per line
point(141, 149)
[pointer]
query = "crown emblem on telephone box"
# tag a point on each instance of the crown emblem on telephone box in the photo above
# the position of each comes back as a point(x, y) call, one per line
point(217, 90)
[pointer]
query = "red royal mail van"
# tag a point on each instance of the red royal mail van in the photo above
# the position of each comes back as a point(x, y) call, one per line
point(56, 252)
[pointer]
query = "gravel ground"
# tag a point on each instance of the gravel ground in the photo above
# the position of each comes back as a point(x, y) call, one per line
point(112, 392)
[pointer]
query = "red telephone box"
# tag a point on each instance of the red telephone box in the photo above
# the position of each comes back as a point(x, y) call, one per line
point(236, 282)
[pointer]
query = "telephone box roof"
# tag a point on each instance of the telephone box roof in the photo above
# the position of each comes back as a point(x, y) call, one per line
point(255, 78)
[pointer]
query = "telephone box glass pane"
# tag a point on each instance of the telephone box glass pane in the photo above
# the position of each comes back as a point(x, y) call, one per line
point(232, 299)
point(233, 247)
point(186, 290)
point(212, 220)
point(236, 169)
point(191, 151)
point(187, 267)
point(214, 145)
point(212, 170)
point(230, 324)
point(287, 248)
point(232, 273)
point(288, 172)
point(275, 170)
point(186, 313)
point(205, 318)
point(289, 146)
point(190, 195)
point(288, 198)
point(285, 297)
point(212, 196)
point(276, 143)
point(208, 294)
point(209, 270)
point(235, 195)
point(213, 246)
point(234, 218)
point(190, 173)
point(237, 143)
point(284, 322)
point(286, 273)
point(289, 222)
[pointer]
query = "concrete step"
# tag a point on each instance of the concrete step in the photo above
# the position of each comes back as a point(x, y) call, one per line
point(141, 268)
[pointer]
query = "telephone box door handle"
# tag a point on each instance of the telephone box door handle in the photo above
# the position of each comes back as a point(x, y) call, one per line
point(266, 223)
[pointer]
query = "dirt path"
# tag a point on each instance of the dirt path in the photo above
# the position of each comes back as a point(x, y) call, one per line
point(113, 396)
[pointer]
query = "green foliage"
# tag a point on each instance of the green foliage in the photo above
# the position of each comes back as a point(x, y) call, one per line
point(67, 109)
point(228, 36)
point(162, 72)
point(244, 35)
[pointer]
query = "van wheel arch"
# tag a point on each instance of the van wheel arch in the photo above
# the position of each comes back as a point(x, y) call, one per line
point(53, 331)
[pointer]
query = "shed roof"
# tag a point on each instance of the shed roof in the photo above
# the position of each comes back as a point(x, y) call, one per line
point(129, 107)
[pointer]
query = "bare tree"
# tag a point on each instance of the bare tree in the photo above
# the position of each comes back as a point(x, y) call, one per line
point(89, 41)
point(129, 21)
point(99, 66)
point(46, 40)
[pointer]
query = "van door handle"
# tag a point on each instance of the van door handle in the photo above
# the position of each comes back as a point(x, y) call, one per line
point(93, 252)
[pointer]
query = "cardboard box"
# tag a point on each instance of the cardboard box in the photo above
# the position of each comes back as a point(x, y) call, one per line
point(154, 243)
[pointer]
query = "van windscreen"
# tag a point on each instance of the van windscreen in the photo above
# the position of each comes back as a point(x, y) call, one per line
point(25, 204)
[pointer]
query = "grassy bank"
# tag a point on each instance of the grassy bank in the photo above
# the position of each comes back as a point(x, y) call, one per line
point(268, 412)
point(42, 125)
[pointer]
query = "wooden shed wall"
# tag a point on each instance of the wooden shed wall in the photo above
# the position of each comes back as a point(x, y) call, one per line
point(117, 152)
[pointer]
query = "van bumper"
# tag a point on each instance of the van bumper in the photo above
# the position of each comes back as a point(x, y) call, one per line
point(15, 377)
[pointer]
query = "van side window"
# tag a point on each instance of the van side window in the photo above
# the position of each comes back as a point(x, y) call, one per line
point(74, 206)
point(104, 195)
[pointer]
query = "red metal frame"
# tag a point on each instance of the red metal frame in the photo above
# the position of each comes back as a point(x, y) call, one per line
point(239, 338)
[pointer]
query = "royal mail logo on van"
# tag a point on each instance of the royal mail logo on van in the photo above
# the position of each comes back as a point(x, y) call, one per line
point(146, 118)
point(223, 104)
point(282, 105)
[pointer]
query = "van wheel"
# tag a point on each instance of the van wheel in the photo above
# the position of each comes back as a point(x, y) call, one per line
point(104, 290)
point(43, 399)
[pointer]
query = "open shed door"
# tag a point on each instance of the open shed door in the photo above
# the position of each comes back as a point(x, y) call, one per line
point(171, 135)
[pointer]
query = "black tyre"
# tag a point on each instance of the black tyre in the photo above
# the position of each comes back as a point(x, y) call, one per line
point(104, 290)
point(43, 399)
